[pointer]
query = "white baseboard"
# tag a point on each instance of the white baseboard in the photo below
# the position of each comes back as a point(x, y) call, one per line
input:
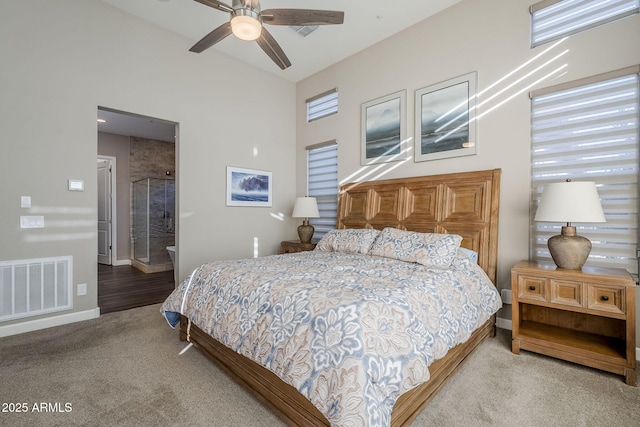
point(503, 323)
point(48, 322)
point(119, 262)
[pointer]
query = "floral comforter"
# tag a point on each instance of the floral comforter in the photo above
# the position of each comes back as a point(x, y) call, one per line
point(351, 332)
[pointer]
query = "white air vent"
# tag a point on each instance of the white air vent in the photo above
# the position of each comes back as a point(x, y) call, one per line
point(304, 31)
point(35, 286)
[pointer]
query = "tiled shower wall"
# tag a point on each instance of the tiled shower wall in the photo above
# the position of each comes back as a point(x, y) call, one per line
point(153, 159)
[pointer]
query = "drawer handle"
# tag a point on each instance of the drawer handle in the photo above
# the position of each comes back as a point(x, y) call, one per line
point(532, 288)
point(604, 298)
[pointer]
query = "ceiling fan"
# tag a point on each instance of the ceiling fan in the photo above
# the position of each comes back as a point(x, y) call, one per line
point(246, 24)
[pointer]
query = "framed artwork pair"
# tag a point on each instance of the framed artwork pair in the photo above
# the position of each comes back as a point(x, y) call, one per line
point(445, 123)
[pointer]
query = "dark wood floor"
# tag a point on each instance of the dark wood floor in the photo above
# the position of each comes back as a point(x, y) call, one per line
point(125, 287)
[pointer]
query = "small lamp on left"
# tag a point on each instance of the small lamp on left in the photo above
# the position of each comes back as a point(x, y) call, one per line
point(305, 207)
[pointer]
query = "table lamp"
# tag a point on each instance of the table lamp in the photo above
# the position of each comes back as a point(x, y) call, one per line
point(570, 201)
point(305, 207)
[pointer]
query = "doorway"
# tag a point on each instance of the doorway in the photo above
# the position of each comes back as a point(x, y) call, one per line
point(141, 146)
point(107, 205)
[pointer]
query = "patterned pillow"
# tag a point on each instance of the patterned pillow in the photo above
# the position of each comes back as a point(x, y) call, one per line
point(350, 240)
point(431, 250)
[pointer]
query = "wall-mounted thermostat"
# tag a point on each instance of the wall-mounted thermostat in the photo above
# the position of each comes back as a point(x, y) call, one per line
point(76, 185)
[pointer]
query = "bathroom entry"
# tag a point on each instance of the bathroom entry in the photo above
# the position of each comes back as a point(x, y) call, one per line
point(143, 147)
point(145, 150)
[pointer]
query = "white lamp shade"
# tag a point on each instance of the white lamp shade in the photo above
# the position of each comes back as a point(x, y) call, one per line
point(305, 207)
point(571, 201)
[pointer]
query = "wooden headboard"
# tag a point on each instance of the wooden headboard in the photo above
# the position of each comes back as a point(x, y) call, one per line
point(463, 203)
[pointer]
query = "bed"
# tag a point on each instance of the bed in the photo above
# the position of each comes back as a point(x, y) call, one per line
point(375, 221)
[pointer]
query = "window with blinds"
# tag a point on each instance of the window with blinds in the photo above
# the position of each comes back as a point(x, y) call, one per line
point(322, 105)
point(588, 131)
point(322, 183)
point(554, 19)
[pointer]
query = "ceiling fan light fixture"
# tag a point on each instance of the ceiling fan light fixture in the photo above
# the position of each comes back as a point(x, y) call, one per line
point(246, 27)
point(246, 22)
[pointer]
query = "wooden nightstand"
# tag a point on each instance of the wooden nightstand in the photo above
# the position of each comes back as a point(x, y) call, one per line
point(584, 316)
point(291, 246)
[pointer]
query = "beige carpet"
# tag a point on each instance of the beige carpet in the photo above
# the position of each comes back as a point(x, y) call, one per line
point(123, 369)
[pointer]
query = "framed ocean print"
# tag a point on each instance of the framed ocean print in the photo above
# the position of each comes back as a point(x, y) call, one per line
point(248, 187)
point(383, 129)
point(445, 122)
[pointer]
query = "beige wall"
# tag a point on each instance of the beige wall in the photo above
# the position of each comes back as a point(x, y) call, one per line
point(492, 38)
point(62, 60)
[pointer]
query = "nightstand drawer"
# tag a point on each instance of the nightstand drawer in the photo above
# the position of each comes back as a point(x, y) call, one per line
point(566, 292)
point(605, 298)
point(532, 288)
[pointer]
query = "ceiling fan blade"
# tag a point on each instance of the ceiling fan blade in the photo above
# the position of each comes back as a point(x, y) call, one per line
point(216, 5)
point(273, 49)
point(212, 38)
point(300, 17)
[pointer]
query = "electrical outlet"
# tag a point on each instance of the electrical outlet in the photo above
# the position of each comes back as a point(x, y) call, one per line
point(506, 296)
point(82, 289)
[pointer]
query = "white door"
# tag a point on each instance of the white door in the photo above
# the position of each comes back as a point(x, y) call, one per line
point(104, 211)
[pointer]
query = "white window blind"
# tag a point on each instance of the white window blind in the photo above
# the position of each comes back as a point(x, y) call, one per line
point(322, 105)
point(322, 183)
point(589, 132)
point(555, 19)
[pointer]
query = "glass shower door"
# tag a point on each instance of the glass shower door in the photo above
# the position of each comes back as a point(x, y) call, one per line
point(140, 220)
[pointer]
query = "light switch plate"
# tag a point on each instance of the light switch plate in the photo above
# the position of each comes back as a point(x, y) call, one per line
point(31, 222)
point(25, 201)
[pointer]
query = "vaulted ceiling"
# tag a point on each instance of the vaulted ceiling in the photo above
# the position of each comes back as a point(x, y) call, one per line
point(366, 22)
